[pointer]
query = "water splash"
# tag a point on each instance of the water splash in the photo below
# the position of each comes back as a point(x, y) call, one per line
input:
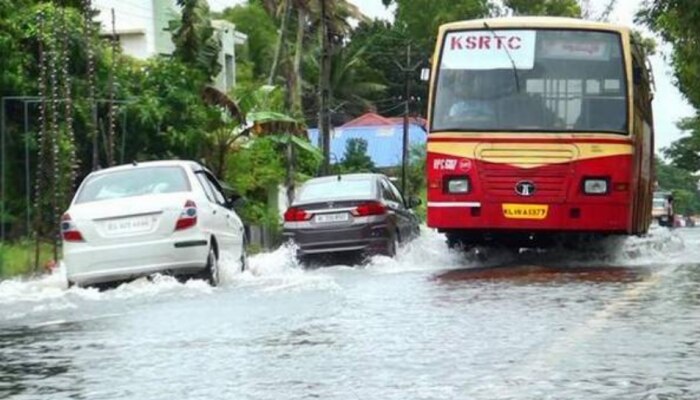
point(279, 271)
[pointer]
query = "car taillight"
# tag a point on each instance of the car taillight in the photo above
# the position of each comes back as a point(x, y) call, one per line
point(188, 216)
point(69, 231)
point(370, 208)
point(294, 214)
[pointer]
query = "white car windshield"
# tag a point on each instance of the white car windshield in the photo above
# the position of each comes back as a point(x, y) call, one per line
point(132, 183)
point(332, 189)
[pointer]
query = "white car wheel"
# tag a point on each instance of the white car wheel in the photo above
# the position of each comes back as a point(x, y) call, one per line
point(244, 256)
point(211, 271)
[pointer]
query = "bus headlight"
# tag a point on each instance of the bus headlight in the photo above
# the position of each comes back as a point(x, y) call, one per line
point(458, 185)
point(595, 186)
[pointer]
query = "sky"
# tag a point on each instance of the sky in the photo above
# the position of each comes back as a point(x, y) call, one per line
point(669, 104)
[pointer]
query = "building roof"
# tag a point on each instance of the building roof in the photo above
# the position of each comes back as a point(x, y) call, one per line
point(374, 119)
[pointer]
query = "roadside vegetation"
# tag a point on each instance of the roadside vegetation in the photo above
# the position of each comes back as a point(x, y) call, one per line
point(18, 258)
point(677, 23)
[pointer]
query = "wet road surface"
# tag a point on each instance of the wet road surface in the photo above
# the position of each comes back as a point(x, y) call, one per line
point(616, 323)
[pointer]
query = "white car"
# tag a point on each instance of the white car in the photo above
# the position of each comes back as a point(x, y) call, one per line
point(139, 219)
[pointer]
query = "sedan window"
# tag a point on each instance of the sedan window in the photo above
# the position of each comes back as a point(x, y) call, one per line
point(205, 186)
point(133, 182)
point(216, 189)
point(387, 193)
point(397, 194)
point(331, 189)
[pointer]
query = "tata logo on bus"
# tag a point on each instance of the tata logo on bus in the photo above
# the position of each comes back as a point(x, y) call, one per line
point(525, 188)
point(489, 49)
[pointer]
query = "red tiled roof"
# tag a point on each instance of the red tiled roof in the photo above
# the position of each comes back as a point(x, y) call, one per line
point(369, 119)
point(374, 119)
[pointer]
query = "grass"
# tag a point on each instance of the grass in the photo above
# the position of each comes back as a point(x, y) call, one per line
point(17, 258)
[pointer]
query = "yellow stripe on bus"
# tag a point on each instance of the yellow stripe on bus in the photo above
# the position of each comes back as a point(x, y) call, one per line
point(529, 155)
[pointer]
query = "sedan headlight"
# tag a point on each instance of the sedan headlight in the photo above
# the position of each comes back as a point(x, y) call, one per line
point(458, 185)
point(595, 186)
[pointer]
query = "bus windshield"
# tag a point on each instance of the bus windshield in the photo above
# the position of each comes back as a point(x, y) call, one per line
point(539, 80)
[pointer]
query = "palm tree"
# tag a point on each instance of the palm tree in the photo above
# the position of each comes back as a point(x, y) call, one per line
point(308, 17)
point(353, 84)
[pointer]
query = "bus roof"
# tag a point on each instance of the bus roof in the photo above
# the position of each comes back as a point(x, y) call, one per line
point(533, 22)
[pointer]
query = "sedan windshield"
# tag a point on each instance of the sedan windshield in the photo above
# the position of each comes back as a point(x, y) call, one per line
point(132, 183)
point(531, 80)
point(333, 189)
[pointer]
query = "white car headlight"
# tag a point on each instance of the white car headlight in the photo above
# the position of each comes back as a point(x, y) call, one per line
point(458, 185)
point(595, 186)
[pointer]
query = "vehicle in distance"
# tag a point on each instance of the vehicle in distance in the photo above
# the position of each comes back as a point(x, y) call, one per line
point(353, 214)
point(135, 220)
point(659, 211)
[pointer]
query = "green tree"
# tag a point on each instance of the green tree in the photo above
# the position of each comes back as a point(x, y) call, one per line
point(559, 8)
point(382, 44)
point(682, 183)
point(677, 21)
point(196, 44)
point(684, 153)
point(356, 158)
point(253, 20)
point(422, 18)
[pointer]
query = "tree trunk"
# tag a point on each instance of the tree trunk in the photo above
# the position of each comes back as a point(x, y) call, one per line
point(280, 42)
point(223, 147)
point(296, 86)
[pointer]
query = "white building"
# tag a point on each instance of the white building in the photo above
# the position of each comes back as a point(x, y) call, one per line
point(141, 26)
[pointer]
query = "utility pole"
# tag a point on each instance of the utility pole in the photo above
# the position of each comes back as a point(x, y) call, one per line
point(324, 90)
point(408, 69)
point(112, 110)
point(92, 125)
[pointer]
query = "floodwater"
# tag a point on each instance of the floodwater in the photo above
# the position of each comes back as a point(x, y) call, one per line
point(619, 322)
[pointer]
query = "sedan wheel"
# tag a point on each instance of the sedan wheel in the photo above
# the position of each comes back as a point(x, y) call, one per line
point(211, 272)
point(393, 246)
point(244, 256)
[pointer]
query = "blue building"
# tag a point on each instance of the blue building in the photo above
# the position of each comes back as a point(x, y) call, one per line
point(384, 138)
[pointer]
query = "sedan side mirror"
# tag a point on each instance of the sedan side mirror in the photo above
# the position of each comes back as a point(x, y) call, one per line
point(414, 202)
point(236, 201)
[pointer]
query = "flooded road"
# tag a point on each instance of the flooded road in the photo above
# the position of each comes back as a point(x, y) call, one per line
point(621, 322)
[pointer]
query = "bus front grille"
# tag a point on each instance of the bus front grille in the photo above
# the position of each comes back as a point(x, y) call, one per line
point(549, 167)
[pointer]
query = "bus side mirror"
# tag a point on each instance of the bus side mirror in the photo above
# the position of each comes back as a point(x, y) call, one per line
point(425, 74)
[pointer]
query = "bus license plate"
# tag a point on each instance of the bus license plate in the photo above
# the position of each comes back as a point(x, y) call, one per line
point(525, 211)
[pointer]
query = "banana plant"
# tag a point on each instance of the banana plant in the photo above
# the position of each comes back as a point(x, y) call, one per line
point(290, 133)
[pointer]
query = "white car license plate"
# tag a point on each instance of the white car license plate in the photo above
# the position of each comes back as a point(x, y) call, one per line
point(127, 226)
point(329, 218)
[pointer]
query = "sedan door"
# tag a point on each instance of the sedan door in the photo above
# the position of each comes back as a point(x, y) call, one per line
point(403, 215)
point(232, 227)
point(215, 221)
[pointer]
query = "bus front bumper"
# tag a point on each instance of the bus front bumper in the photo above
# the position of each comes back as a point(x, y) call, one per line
point(568, 217)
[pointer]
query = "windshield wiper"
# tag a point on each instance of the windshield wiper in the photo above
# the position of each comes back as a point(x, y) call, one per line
point(512, 62)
